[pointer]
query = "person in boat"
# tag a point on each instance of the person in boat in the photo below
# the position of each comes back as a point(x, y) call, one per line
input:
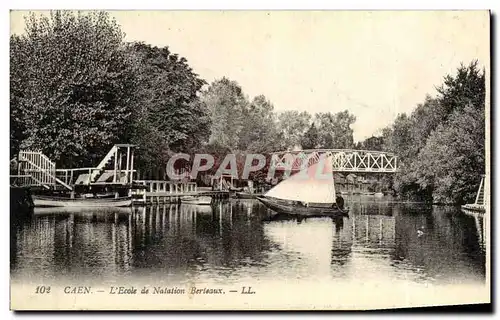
point(340, 202)
point(300, 204)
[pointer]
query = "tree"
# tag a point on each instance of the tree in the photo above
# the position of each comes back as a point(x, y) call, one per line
point(259, 133)
point(372, 143)
point(400, 137)
point(335, 130)
point(293, 125)
point(169, 115)
point(453, 158)
point(71, 86)
point(226, 103)
point(310, 140)
point(466, 88)
point(17, 81)
point(424, 120)
point(441, 144)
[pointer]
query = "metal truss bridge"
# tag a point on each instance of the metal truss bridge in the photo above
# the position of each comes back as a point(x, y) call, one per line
point(343, 160)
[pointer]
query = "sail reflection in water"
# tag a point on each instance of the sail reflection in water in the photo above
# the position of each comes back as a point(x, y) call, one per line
point(240, 241)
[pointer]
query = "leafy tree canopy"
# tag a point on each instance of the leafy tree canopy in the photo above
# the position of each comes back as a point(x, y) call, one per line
point(71, 83)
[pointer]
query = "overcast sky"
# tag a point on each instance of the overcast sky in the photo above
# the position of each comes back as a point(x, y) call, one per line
point(374, 64)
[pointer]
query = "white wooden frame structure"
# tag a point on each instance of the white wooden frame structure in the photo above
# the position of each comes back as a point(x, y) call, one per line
point(343, 160)
point(36, 169)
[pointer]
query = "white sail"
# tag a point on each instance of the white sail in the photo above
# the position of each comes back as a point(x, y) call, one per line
point(312, 185)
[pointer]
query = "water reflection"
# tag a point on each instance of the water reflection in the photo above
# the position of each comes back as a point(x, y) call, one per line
point(237, 240)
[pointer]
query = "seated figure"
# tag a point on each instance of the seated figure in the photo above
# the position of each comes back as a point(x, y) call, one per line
point(340, 202)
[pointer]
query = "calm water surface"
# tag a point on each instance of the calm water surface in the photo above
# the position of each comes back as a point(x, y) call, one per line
point(236, 241)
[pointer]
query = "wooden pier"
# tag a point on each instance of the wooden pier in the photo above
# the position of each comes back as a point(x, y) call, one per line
point(114, 175)
point(158, 191)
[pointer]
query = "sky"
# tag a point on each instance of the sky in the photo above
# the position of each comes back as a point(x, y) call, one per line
point(374, 64)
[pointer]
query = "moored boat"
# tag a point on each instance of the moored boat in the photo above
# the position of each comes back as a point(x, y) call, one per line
point(298, 208)
point(247, 195)
point(81, 210)
point(49, 201)
point(200, 200)
point(309, 192)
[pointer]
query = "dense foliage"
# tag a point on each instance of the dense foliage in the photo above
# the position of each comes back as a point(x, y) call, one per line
point(253, 126)
point(76, 88)
point(70, 86)
point(441, 145)
point(168, 115)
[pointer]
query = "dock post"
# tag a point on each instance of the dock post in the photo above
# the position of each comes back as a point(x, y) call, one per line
point(132, 166)
point(144, 192)
point(116, 161)
point(120, 166)
point(127, 166)
point(18, 165)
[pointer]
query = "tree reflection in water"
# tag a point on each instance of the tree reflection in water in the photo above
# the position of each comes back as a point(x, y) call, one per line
point(235, 240)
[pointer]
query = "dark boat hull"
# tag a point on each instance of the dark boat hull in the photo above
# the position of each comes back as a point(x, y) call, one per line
point(44, 201)
point(282, 207)
point(246, 195)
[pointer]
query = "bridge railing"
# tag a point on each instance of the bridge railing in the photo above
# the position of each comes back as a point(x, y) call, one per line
point(343, 160)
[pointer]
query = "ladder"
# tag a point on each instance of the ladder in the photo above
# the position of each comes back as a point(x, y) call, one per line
point(112, 154)
point(40, 169)
point(480, 193)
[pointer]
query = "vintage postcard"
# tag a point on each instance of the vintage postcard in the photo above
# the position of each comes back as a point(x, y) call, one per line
point(249, 160)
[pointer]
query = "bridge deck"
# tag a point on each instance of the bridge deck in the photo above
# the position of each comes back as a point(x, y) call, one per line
point(343, 160)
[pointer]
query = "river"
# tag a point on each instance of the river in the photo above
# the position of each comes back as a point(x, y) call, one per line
point(382, 242)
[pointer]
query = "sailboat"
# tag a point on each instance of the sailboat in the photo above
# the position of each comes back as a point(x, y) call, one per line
point(310, 192)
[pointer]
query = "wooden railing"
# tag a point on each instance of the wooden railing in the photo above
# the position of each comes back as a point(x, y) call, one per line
point(172, 187)
point(38, 166)
point(36, 169)
point(82, 175)
point(157, 188)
